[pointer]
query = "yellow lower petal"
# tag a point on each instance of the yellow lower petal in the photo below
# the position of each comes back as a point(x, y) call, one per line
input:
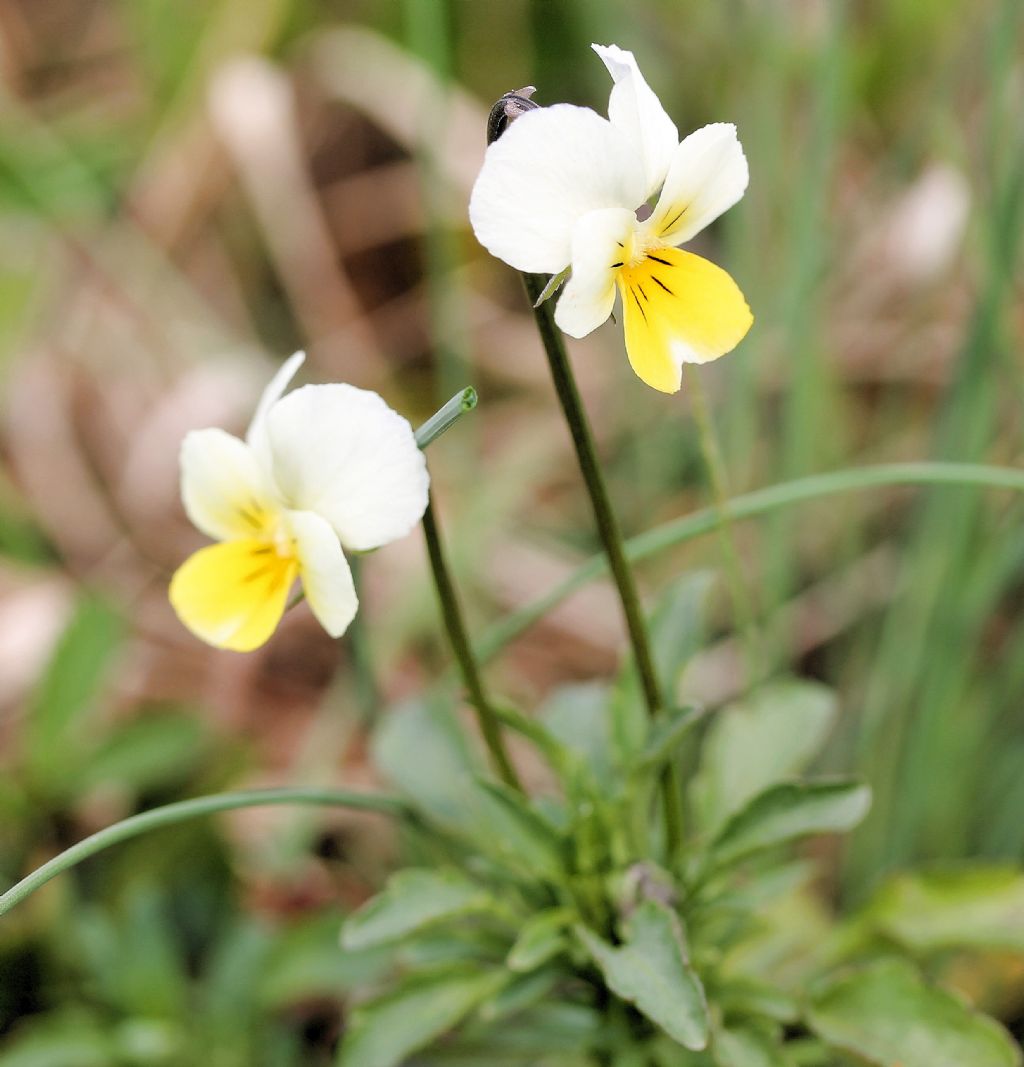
point(678, 308)
point(233, 595)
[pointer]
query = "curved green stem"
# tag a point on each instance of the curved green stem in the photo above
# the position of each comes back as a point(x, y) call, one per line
point(191, 809)
point(748, 506)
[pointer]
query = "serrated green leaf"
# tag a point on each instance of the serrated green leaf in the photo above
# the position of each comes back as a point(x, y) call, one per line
point(970, 908)
point(765, 739)
point(787, 812)
point(540, 939)
point(885, 1014)
point(651, 971)
point(383, 1032)
point(413, 900)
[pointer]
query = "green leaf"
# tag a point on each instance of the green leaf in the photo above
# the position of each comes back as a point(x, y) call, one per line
point(768, 738)
point(147, 753)
point(578, 717)
point(665, 736)
point(74, 679)
point(422, 750)
point(678, 629)
point(522, 993)
point(552, 1034)
point(787, 812)
point(383, 1032)
point(745, 997)
point(517, 834)
point(677, 632)
point(971, 908)
point(540, 939)
point(305, 963)
point(745, 1046)
point(561, 757)
point(652, 972)
point(419, 747)
point(70, 1040)
point(885, 1014)
point(413, 900)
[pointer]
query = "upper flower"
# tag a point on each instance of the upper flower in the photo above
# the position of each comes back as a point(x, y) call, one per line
point(325, 468)
point(564, 187)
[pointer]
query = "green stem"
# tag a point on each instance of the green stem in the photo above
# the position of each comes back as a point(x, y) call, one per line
point(490, 725)
point(739, 592)
point(610, 534)
point(191, 809)
point(607, 523)
point(751, 505)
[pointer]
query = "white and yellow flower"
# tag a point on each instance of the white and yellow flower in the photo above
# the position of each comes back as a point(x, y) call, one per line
point(327, 468)
point(564, 187)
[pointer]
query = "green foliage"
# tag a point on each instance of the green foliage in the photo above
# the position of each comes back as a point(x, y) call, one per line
point(765, 739)
point(412, 901)
point(885, 1014)
point(68, 692)
point(384, 1031)
point(786, 813)
point(703, 959)
point(968, 908)
point(651, 970)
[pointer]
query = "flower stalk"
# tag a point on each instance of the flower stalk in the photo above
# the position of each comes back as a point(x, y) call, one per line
point(609, 532)
point(607, 523)
point(451, 612)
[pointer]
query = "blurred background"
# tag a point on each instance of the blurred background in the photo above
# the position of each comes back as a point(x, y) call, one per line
point(191, 190)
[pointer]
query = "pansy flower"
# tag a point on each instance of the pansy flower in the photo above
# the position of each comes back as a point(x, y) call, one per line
point(325, 470)
point(563, 187)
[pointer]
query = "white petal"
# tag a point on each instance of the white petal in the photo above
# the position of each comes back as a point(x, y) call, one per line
point(324, 571)
point(635, 110)
point(343, 453)
point(224, 488)
point(601, 242)
point(273, 392)
point(707, 176)
point(551, 166)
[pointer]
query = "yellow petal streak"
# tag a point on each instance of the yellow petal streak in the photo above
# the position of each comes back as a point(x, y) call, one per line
point(678, 308)
point(233, 595)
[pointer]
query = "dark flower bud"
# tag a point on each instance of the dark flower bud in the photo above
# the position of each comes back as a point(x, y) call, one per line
point(508, 109)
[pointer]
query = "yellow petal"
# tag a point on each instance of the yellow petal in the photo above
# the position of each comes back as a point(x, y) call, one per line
point(678, 308)
point(234, 594)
